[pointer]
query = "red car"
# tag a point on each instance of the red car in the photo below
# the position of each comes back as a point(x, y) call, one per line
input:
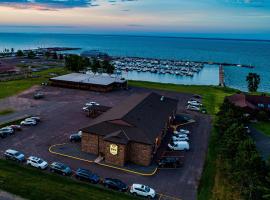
point(16, 127)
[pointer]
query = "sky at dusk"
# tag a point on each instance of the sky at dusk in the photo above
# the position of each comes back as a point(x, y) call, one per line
point(224, 18)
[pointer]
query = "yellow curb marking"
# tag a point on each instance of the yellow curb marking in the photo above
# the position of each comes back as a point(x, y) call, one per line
point(105, 165)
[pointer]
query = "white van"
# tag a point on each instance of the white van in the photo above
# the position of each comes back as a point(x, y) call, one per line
point(179, 145)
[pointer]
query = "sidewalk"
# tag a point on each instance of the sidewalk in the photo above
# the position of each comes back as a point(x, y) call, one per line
point(73, 151)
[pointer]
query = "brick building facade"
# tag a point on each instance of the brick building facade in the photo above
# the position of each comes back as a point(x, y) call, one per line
point(132, 131)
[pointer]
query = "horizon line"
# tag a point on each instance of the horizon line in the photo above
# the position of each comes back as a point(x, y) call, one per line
point(135, 35)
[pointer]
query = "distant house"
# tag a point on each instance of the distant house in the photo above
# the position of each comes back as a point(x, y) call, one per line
point(250, 102)
point(131, 131)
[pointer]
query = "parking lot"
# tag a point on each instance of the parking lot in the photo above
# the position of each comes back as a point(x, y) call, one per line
point(61, 114)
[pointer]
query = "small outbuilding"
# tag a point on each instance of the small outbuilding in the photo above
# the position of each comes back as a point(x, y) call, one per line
point(131, 131)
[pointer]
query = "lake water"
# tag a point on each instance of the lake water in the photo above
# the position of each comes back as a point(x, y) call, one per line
point(255, 53)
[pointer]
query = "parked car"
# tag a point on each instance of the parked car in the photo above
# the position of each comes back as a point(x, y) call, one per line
point(183, 131)
point(92, 103)
point(38, 119)
point(76, 137)
point(196, 96)
point(194, 103)
point(11, 154)
point(180, 138)
point(169, 162)
point(176, 133)
point(38, 95)
point(115, 184)
point(28, 122)
point(6, 131)
point(194, 108)
point(142, 190)
point(16, 127)
point(36, 162)
point(179, 145)
point(84, 174)
point(60, 168)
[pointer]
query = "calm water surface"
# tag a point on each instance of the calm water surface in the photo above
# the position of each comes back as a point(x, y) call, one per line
point(232, 51)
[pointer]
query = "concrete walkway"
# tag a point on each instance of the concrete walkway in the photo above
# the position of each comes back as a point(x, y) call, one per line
point(8, 196)
point(262, 142)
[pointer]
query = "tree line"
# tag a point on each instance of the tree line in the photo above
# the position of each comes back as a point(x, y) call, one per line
point(240, 162)
point(78, 63)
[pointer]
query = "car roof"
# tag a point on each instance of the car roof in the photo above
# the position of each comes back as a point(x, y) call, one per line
point(34, 158)
point(12, 151)
point(138, 185)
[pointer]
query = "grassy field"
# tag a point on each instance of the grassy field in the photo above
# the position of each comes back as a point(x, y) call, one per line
point(213, 96)
point(264, 127)
point(10, 88)
point(6, 111)
point(33, 184)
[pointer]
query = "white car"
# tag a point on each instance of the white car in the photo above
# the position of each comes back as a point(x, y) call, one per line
point(37, 119)
point(176, 133)
point(194, 103)
point(29, 122)
point(142, 190)
point(7, 130)
point(36, 162)
point(92, 103)
point(182, 131)
point(185, 131)
point(180, 138)
point(194, 108)
point(179, 146)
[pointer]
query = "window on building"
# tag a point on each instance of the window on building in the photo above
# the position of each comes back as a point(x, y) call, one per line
point(260, 105)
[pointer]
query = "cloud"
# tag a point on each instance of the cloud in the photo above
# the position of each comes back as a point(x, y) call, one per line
point(53, 4)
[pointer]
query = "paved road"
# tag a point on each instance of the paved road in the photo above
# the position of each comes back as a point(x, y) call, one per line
point(262, 142)
point(62, 115)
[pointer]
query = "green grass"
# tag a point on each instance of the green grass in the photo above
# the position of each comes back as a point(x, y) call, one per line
point(6, 111)
point(264, 127)
point(10, 88)
point(213, 96)
point(33, 184)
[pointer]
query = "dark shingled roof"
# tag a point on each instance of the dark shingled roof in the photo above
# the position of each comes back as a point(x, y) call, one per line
point(139, 118)
point(249, 101)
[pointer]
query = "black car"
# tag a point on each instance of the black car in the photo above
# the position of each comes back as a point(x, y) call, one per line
point(38, 95)
point(115, 184)
point(169, 162)
point(84, 174)
point(60, 168)
point(75, 138)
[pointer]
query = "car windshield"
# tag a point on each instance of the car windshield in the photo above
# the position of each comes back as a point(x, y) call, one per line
point(17, 154)
point(40, 161)
point(147, 189)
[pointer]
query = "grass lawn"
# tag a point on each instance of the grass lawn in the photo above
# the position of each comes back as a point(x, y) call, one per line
point(10, 88)
point(264, 127)
point(33, 184)
point(6, 111)
point(213, 96)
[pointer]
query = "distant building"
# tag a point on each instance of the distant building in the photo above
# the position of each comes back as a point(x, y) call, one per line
point(250, 102)
point(99, 83)
point(131, 131)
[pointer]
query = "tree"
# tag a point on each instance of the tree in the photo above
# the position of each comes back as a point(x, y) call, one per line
point(75, 63)
point(12, 50)
point(95, 65)
point(19, 53)
point(47, 54)
point(107, 67)
point(31, 54)
point(253, 81)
